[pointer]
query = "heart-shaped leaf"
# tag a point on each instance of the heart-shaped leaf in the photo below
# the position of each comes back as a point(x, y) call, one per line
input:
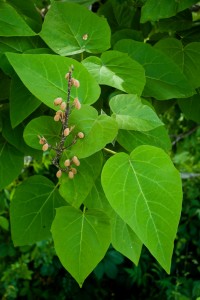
point(44, 77)
point(191, 107)
point(145, 191)
point(118, 70)
point(33, 210)
point(69, 29)
point(81, 239)
point(131, 114)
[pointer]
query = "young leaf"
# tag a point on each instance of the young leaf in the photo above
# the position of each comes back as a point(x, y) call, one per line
point(42, 126)
point(118, 70)
point(164, 80)
point(44, 77)
point(98, 131)
point(125, 240)
point(69, 29)
point(81, 239)
point(11, 162)
point(33, 210)
point(131, 114)
point(191, 108)
point(145, 190)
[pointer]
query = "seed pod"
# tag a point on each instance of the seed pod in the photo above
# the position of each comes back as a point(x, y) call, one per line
point(76, 83)
point(59, 173)
point(74, 171)
point(80, 135)
point(66, 131)
point(77, 103)
point(71, 175)
point(76, 161)
point(42, 140)
point(58, 101)
point(45, 147)
point(63, 105)
point(56, 117)
point(67, 76)
point(67, 162)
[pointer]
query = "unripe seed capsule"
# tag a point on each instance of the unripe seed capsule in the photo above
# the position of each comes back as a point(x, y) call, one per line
point(58, 101)
point(57, 117)
point(63, 105)
point(71, 175)
point(66, 131)
point(76, 83)
point(74, 171)
point(76, 161)
point(45, 147)
point(80, 135)
point(59, 174)
point(67, 163)
point(77, 103)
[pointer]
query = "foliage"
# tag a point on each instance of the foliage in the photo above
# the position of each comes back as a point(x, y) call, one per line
point(110, 145)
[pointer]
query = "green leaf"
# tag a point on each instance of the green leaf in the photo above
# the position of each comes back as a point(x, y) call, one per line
point(98, 131)
point(4, 86)
point(117, 70)
point(126, 34)
point(81, 240)
point(22, 102)
point(145, 190)
point(75, 190)
point(187, 58)
point(44, 126)
point(125, 240)
point(158, 137)
point(153, 11)
point(33, 210)
point(191, 108)
point(44, 76)
point(131, 114)
point(4, 223)
point(69, 29)
point(164, 80)
point(11, 23)
point(11, 162)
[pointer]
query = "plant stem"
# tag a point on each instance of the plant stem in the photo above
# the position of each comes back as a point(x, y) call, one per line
point(109, 151)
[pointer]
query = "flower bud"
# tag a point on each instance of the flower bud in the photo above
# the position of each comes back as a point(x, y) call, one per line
point(56, 117)
point(42, 140)
point(76, 83)
point(74, 171)
point(71, 175)
point(77, 103)
point(67, 163)
point(59, 174)
point(67, 76)
point(76, 161)
point(85, 37)
point(63, 105)
point(80, 135)
point(66, 131)
point(58, 101)
point(45, 147)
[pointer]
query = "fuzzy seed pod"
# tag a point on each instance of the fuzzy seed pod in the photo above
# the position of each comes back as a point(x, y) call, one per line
point(66, 131)
point(67, 76)
point(76, 161)
point(45, 147)
point(67, 163)
point(85, 37)
point(59, 174)
point(56, 117)
point(80, 135)
point(77, 103)
point(74, 171)
point(76, 83)
point(63, 105)
point(42, 140)
point(71, 175)
point(58, 101)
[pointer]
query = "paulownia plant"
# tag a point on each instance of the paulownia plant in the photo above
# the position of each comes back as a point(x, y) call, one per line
point(95, 118)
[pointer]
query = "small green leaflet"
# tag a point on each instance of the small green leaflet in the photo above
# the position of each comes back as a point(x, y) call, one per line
point(81, 239)
point(191, 108)
point(33, 210)
point(145, 191)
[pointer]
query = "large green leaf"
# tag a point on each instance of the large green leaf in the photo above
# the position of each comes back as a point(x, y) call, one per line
point(11, 23)
point(44, 76)
point(69, 29)
point(118, 70)
point(44, 126)
point(11, 162)
point(98, 131)
point(131, 139)
point(75, 191)
point(81, 239)
point(191, 107)
point(125, 240)
point(164, 80)
point(21, 101)
point(155, 10)
point(187, 58)
point(131, 114)
point(33, 210)
point(145, 190)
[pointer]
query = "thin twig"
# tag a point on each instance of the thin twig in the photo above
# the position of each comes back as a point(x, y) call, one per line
point(183, 135)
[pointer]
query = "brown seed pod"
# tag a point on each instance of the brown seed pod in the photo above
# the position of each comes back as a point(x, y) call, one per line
point(71, 175)
point(66, 131)
point(74, 171)
point(77, 103)
point(80, 135)
point(58, 101)
point(56, 117)
point(76, 83)
point(45, 147)
point(76, 161)
point(59, 174)
point(63, 105)
point(67, 162)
